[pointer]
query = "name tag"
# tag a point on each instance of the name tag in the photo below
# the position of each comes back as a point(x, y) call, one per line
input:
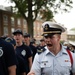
point(45, 64)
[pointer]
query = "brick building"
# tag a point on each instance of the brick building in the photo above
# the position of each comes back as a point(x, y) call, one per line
point(71, 35)
point(8, 23)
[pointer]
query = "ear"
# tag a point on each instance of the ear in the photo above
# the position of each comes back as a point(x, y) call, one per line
point(59, 37)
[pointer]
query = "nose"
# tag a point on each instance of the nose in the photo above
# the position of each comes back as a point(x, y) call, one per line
point(48, 39)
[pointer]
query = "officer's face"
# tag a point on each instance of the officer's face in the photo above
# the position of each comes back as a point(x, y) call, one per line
point(52, 41)
point(26, 39)
point(18, 38)
point(42, 43)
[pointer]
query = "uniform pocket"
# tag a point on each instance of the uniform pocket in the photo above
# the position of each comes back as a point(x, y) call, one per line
point(66, 68)
point(45, 64)
point(46, 68)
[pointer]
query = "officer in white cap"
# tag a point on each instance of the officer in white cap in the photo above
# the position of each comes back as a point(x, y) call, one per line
point(53, 59)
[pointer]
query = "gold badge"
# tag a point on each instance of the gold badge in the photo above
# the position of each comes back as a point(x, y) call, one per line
point(46, 27)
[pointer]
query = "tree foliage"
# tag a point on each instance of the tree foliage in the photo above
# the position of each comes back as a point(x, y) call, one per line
point(73, 29)
point(30, 9)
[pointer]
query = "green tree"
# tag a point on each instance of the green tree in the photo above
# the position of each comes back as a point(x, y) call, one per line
point(30, 9)
point(73, 29)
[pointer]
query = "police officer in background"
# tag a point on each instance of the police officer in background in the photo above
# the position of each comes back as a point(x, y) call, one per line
point(29, 44)
point(22, 50)
point(42, 43)
point(21, 69)
point(7, 59)
point(53, 59)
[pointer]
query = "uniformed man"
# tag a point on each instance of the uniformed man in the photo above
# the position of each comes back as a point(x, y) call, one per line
point(22, 50)
point(29, 44)
point(21, 68)
point(7, 59)
point(53, 59)
point(42, 43)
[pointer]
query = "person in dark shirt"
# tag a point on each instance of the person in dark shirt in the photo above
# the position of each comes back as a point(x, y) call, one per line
point(42, 43)
point(21, 69)
point(7, 59)
point(28, 43)
point(23, 50)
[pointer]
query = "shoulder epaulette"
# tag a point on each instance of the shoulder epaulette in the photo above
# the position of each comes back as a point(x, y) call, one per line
point(40, 50)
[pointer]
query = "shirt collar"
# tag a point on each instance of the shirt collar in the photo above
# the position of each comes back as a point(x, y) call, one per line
point(47, 50)
point(63, 50)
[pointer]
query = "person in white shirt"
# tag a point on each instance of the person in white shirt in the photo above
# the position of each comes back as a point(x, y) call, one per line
point(53, 59)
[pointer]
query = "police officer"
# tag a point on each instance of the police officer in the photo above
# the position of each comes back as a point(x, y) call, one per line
point(22, 50)
point(21, 69)
point(42, 42)
point(29, 44)
point(53, 59)
point(7, 59)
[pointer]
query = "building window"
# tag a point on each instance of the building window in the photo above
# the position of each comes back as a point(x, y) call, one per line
point(25, 31)
point(12, 29)
point(69, 37)
point(37, 26)
point(5, 19)
point(72, 37)
point(24, 22)
point(35, 34)
point(34, 27)
point(12, 21)
point(19, 22)
point(5, 30)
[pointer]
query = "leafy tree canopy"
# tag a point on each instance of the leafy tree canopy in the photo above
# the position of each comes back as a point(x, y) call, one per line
point(44, 9)
point(73, 29)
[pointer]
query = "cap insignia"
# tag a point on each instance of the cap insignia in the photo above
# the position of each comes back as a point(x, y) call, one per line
point(46, 27)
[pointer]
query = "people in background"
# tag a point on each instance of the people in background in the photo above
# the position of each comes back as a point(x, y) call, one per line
point(33, 42)
point(29, 44)
point(42, 43)
point(7, 58)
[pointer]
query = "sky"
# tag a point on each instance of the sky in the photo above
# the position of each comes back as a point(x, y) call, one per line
point(6, 3)
point(67, 19)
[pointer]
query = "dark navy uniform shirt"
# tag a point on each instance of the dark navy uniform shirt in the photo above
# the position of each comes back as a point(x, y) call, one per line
point(20, 65)
point(25, 53)
point(33, 50)
point(7, 57)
